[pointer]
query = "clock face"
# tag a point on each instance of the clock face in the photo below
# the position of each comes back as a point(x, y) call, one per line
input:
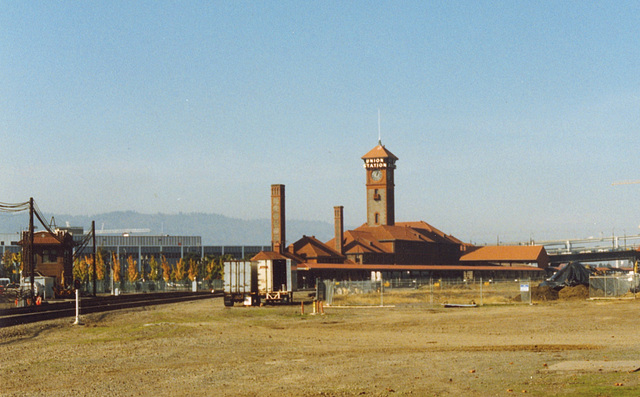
point(376, 175)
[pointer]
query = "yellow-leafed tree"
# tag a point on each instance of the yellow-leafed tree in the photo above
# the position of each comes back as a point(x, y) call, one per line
point(166, 269)
point(101, 267)
point(117, 276)
point(80, 272)
point(154, 270)
point(180, 271)
point(211, 265)
point(88, 260)
point(193, 270)
point(17, 258)
point(7, 264)
point(132, 271)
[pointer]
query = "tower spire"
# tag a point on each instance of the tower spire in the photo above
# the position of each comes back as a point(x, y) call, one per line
point(379, 134)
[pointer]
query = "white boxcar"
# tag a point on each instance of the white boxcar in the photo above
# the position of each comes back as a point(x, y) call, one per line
point(240, 282)
point(261, 281)
point(275, 280)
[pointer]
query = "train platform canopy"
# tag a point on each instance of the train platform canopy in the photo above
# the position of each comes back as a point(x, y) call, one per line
point(506, 255)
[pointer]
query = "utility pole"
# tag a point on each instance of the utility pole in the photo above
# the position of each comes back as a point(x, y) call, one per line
point(30, 256)
point(93, 236)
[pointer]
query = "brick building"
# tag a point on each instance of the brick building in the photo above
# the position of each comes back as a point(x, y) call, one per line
point(53, 255)
point(396, 249)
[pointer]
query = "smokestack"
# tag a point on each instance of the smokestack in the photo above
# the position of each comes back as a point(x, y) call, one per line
point(339, 227)
point(277, 219)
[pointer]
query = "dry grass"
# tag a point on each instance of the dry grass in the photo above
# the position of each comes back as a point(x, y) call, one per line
point(487, 294)
point(201, 348)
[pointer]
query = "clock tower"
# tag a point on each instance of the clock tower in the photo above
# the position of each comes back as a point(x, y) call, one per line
point(379, 164)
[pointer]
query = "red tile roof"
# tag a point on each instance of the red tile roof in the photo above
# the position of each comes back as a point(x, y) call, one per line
point(506, 253)
point(46, 238)
point(312, 247)
point(371, 239)
point(268, 255)
point(358, 241)
point(379, 152)
point(426, 229)
point(308, 248)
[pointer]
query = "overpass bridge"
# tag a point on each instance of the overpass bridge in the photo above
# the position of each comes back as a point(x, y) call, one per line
point(598, 256)
point(593, 249)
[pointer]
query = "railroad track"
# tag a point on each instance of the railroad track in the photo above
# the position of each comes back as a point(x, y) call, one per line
point(50, 311)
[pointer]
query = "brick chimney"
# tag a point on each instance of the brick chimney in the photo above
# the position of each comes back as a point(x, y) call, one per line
point(339, 227)
point(277, 219)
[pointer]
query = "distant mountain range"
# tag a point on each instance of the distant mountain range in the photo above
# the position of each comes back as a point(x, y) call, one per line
point(213, 228)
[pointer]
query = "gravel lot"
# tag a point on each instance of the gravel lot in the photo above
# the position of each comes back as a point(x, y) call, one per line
point(201, 348)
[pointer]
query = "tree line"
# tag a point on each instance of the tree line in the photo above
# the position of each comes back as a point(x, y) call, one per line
point(189, 268)
point(11, 264)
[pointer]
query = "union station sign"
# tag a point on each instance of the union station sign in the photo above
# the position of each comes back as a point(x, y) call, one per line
point(379, 163)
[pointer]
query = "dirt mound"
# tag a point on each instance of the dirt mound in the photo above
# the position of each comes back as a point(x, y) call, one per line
point(579, 292)
point(543, 293)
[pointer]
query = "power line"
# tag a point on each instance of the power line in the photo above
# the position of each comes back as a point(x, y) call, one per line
point(17, 207)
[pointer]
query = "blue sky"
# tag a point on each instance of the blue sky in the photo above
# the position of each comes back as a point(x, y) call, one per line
point(511, 119)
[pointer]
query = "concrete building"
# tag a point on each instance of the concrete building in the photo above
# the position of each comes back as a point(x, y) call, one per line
point(141, 248)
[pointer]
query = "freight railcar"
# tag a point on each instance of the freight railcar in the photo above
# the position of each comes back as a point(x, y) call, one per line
point(258, 282)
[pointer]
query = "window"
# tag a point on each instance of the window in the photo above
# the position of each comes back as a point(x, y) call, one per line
point(377, 218)
point(49, 256)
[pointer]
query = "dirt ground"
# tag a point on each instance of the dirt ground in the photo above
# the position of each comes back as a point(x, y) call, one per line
point(201, 348)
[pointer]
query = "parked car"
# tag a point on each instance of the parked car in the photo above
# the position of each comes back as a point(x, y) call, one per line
point(12, 288)
point(3, 283)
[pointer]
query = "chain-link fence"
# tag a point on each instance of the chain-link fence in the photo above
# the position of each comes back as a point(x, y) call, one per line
point(430, 291)
point(614, 286)
point(128, 287)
